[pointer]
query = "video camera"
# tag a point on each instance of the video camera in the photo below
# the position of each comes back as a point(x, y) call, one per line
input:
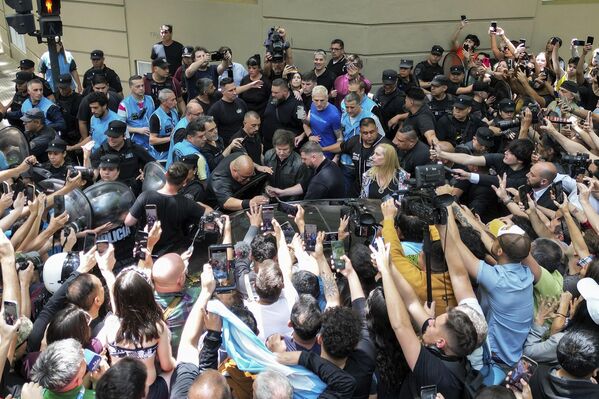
point(421, 200)
point(576, 164)
point(87, 174)
point(208, 223)
point(275, 45)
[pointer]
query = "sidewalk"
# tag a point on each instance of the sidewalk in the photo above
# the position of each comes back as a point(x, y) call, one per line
point(8, 69)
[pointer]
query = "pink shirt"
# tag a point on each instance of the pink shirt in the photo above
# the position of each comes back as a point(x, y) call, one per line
point(342, 84)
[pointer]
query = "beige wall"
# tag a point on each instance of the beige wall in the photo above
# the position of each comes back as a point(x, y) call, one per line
point(381, 31)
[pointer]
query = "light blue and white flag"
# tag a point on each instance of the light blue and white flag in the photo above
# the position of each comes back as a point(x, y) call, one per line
point(252, 355)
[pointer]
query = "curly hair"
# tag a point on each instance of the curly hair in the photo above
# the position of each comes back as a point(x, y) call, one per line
point(340, 331)
point(390, 360)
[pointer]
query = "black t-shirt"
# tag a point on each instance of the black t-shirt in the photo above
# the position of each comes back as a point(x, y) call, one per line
point(280, 116)
point(172, 53)
point(588, 99)
point(221, 185)
point(111, 77)
point(360, 155)
point(210, 73)
point(515, 178)
point(228, 117)
point(212, 100)
point(85, 114)
point(422, 121)
point(390, 105)
point(182, 379)
point(69, 106)
point(418, 155)
point(175, 212)
point(327, 79)
point(426, 71)
point(256, 99)
point(442, 107)
point(450, 129)
point(251, 146)
point(327, 182)
point(481, 199)
point(213, 153)
point(337, 68)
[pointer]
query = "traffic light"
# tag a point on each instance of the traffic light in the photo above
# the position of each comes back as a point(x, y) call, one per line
point(23, 21)
point(50, 23)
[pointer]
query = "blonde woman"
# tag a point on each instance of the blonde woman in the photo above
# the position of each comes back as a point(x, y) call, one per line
point(385, 176)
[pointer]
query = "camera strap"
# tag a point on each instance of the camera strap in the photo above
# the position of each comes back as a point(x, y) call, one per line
point(426, 248)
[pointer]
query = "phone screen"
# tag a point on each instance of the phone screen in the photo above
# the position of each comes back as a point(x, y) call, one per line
point(337, 251)
point(59, 205)
point(494, 25)
point(141, 241)
point(92, 359)
point(89, 241)
point(590, 39)
point(558, 191)
point(428, 392)
point(267, 216)
point(310, 232)
point(330, 237)
point(30, 192)
point(5, 187)
point(11, 313)
point(151, 215)
point(288, 231)
point(522, 193)
point(524, 369)
point(222, 268)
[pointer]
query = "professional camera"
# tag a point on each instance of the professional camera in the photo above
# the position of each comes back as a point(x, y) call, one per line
point(576, 164)
point(208, 223)
point(217, 56)
point(22, 259)
point(76, 226)
point(87, 174)
point(504, 125)
point(275, 44)
point(421, 200)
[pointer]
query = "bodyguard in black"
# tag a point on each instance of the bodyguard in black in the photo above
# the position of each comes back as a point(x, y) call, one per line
point(327, 181)
point(133, 156)
point(421, 118)
point(411, 151)
point(390, 101)
point(280, 113)
point(69, 102)
point(99, 68)
point(426, 70)
point(459, 127)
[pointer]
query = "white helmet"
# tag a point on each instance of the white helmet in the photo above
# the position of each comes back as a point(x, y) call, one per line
point(58, 268)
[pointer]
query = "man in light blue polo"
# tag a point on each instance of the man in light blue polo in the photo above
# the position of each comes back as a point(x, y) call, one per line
point(102, 116)
point(195, 138)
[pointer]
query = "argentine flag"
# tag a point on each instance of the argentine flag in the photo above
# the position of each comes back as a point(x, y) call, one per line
point(253, 356)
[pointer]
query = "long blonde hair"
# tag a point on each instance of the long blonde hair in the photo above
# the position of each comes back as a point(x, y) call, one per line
point(387, 172)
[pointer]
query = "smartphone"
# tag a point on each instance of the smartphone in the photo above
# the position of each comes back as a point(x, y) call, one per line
point(30, 192)
point(222, 267)
point(151, 215)
point(486, 62)
point(523, 41)
point(523, 191)
point(558, 191)
point(510, 63)
point(288, 231)
point(330, 237)
point(11, 313)
point(92, 360)
point(5, 188)
point(310, 232)
point(337, 251)
point(287, 209)
point(463, 17)
point(524, 369)
point(590, 39)
point(102, 245)
point(466, 47)
point(494, 26)
point(141, 242)
point(89, 241)
point(428, 392)
point(268, 215)
point(579, 42)
point(59, 205)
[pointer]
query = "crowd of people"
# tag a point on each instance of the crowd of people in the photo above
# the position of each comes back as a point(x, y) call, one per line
point(480, 280)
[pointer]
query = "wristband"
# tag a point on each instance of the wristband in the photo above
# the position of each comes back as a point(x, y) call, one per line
point(245, 204)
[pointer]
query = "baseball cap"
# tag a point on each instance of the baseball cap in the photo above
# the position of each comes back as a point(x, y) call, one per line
point(64, 80)
point(484, 136)
point(110, 161)
point(506, 105)
point(440, 80)
point(456, 70)
point(160, 63)
point(190, 160)
point(437, 50)
point(389, 76)
point(589, 289)
point(22, 77)
point(570, 86)
point(26, 64)
point(57, 145)
point(96, 54)
point(462, 101)
point(33, 113)
point(116, 129)
point(187, 51)
point(406, 64)
point(512, 229)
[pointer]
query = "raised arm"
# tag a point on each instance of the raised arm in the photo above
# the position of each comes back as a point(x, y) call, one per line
point(462, 159)
point(471, 263)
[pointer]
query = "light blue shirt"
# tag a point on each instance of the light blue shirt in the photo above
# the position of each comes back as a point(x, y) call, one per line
point(507, 300)
point(239, 73)
point(99, 126)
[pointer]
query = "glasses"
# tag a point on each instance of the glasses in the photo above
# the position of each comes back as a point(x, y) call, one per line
point(335, 49)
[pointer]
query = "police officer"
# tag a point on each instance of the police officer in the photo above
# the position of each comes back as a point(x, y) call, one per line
point(426, 70)
point(69, 101)
point(390, 100)
point(28, 66)
point(38, 134)
point(57, 164)
point(459, 127)
point(440, 102)
point(192, 187)
point(133, 157)
point(13, 114)
point(98, 67)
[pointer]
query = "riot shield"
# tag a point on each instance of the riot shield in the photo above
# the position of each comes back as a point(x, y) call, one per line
point(14, 148)
point(154, 176)
point(76, 203)
point(110, 202)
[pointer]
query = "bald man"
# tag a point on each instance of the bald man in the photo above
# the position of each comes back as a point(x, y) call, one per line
point(540, 178)
point(233, 173)
point(171, 294)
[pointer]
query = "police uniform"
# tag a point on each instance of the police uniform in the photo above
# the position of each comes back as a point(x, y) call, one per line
point(425, 71)
point(390, 104)
point(13, 114)
point(111, 76)
point(133, 157)
point(60, 172)
point(69, 106)
point(152, 88)
point(28, 64)
point(38, 141)
point(194, 190)
point(442, 107)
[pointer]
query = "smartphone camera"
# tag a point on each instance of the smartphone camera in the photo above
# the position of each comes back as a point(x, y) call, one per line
point(222, 267)
point(268, 215)
point(337, 251)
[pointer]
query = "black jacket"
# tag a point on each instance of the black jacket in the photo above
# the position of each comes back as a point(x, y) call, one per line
point(545, 384)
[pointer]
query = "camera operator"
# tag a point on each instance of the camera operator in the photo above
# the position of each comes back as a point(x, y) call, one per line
point(460, 126)
point(231, 174)
point(200, 68)
point(426, 70)
point(439, 101)
point(411, 150)
point(37, 133)
point(133, 156)
point(278, 61)
point(175, 211)
point(515, 163)
point(283, 111)
point(390, 100)
point(229, 69)
point(420, 117)
point(57, 165)
point(506, 111)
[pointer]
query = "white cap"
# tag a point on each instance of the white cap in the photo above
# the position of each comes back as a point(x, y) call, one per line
point(589, 289)
point(513, 229)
